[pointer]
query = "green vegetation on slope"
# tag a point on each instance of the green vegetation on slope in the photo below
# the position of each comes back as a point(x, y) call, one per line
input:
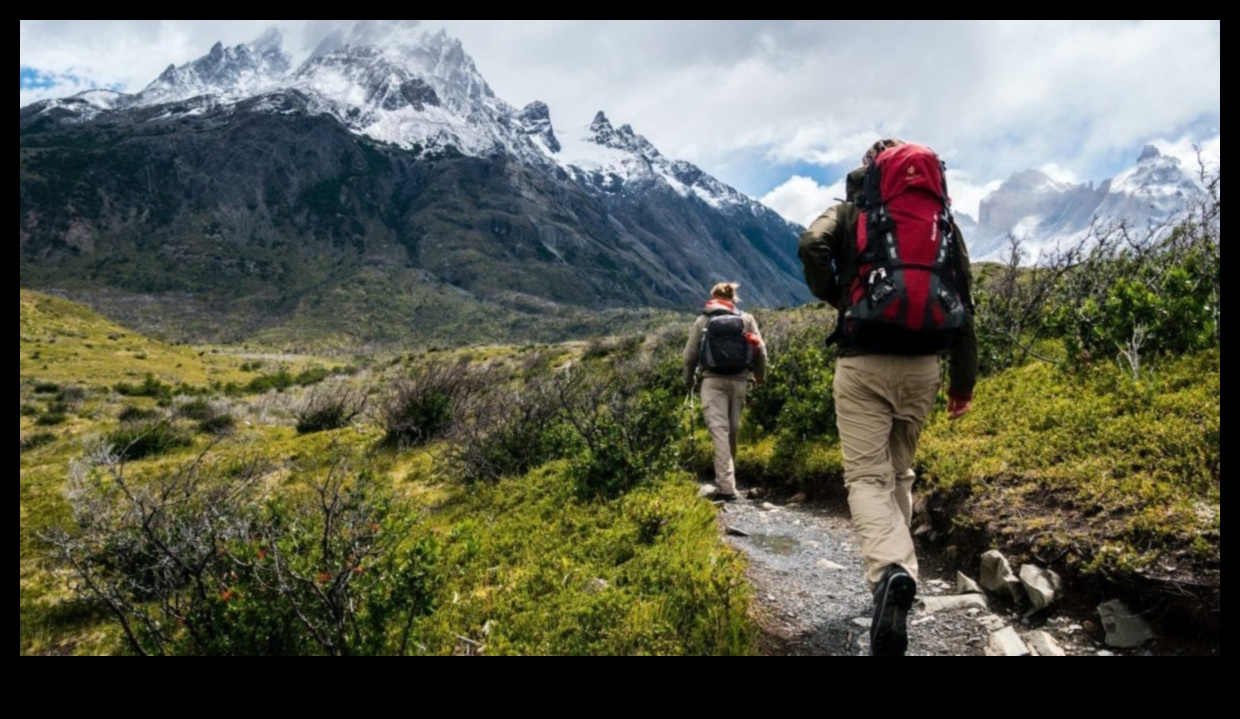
point(548, 561)
point(1112, 474)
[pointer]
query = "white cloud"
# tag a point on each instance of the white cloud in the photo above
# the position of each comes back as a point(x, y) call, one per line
point(992, 97)
point(1191, 153)
point(1059, 173)
point(801, 199)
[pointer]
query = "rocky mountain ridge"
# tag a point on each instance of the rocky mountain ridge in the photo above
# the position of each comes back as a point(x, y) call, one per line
point(1046, 214)
point(263, 195)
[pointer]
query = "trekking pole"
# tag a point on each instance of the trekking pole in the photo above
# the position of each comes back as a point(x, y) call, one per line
point(690, 422)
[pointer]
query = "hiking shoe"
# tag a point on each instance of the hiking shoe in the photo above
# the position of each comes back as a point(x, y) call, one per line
point(723, 497)
point(893, 597)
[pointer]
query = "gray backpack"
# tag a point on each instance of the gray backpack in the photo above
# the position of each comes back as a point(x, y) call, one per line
point(724, 348)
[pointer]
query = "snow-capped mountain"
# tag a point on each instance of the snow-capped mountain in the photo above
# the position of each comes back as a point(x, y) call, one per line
point(619, 159)
point(395, 82)
point(1045, 214)
point(233, 72)
point(386, 142)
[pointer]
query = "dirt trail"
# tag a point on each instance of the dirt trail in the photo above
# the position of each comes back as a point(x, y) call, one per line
point(811, 596)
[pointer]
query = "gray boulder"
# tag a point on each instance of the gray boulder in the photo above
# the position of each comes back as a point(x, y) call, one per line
point(997, 577)
point(1042, 586)
point(1123, 628)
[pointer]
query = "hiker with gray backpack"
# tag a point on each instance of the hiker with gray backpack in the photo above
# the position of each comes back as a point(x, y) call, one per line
point(892, 261)
point(726, 345)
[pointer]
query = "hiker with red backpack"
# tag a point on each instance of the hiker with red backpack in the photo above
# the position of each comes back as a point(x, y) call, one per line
point(893, 263)
point(726, 344)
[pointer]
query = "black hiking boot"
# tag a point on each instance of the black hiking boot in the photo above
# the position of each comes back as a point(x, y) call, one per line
point(893, 597)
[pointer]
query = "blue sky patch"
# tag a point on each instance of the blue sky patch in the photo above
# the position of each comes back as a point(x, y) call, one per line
point(33, 78)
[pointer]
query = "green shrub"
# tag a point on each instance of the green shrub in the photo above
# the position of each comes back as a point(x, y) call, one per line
point(796, 399)
point(51, 418)
point(202, 561)
point(627, 435)
point(137, 414)
point(1120, 292)
point(36, 440)
point(150, 387)
point(262, 384)
point(71, 395)
point(198, 408)
point(219, 423)
point(329, 408)
point(133, 442)
point(312, 375)
point(510, 431)
point(425, 405)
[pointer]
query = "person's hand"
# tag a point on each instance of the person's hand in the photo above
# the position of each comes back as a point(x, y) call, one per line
point(957, 407)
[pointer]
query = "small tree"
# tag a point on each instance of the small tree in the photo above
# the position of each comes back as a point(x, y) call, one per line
point(204, 560)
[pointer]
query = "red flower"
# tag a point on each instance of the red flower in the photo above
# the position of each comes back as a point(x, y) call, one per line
point(323, 577)
point(227, 594)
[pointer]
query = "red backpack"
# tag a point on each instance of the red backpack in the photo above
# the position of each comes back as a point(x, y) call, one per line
point(906, 295)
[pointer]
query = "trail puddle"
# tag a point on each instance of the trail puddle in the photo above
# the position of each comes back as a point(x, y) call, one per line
point(780, 544)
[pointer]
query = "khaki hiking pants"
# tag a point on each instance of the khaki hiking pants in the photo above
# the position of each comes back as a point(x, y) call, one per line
point(881, 403)
point(723, 398)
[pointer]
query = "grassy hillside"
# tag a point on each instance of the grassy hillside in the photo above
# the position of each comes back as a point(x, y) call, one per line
point(63, 342)
point(441, 560)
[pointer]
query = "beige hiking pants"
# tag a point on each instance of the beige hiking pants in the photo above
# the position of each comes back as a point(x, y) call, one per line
point(881, 403)
point(723, 398)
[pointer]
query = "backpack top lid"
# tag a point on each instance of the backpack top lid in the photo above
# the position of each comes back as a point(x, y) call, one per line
point(903, 168)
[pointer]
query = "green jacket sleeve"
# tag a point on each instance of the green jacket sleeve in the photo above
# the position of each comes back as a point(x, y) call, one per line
point(962, 354)
point(819, 249)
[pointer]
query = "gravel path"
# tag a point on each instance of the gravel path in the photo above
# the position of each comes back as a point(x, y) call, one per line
point(812, 599)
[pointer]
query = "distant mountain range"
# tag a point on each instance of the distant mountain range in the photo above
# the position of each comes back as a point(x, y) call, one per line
point(1045, 214)
point(377, 191)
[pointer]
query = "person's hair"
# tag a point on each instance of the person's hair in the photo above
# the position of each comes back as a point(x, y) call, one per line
point(725, 291)
point(877, 148)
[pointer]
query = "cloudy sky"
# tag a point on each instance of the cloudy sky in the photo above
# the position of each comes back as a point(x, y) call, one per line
point(780, 109)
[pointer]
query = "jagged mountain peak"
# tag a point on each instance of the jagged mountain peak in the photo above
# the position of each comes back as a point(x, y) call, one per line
point(394, 52)
point(1156, 179)
point(241, 69)
point(623, 138)
point(1046, 213)
point(536, 111)
point(534, 120)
